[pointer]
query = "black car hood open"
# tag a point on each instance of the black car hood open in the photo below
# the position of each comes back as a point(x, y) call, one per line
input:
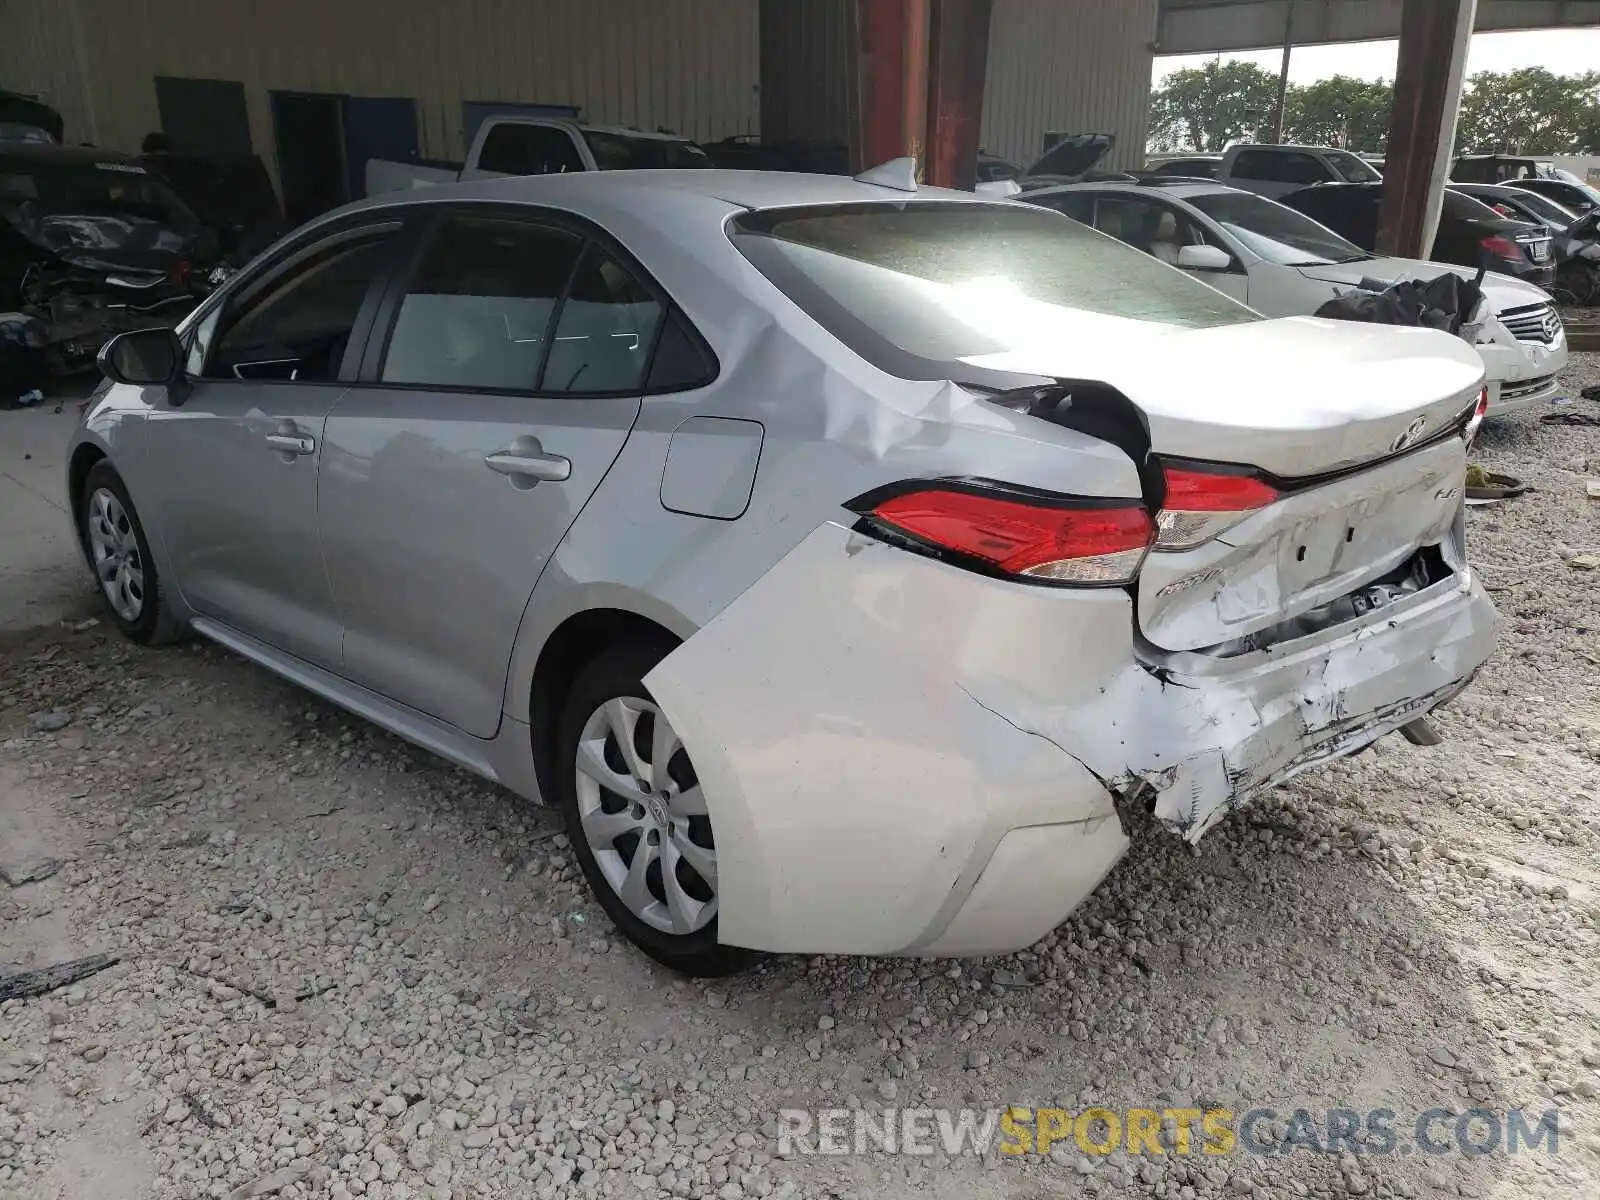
point(102, 241)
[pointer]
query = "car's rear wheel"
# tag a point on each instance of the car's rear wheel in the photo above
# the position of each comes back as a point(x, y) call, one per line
point(119, 556)
point(636, 816)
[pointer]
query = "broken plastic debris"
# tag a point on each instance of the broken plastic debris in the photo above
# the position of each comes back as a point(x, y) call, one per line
point(1593, 488)
point(1588, 561)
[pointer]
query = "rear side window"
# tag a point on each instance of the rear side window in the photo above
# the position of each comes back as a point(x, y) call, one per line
point(1277, 166)
point(606, 331)
point(478, 311)
point(926, 290)
point(528, 150)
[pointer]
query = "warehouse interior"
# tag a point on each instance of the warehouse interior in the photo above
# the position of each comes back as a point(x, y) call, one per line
point(315, 88)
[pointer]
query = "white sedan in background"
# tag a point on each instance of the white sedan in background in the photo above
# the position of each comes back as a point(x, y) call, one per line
point(1283, 264)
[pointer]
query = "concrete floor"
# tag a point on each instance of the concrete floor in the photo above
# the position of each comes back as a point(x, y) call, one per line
point(42, 578)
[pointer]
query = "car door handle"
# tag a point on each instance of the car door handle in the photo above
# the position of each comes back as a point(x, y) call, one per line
point(524, 461)
point(292, 443)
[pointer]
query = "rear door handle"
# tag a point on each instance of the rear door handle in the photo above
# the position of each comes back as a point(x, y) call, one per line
point(525, 462)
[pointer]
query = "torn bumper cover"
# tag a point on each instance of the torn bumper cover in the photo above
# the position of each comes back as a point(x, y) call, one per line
point(901, 757)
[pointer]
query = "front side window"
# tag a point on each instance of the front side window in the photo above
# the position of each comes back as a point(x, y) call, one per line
point(922, 289)
point(296, 325)
point(1159, 230)
point(1275, 232)
point(477, 313)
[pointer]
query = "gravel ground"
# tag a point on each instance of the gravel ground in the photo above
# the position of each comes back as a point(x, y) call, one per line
point(348, 969)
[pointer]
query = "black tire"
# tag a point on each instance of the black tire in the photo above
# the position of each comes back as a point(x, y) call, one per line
point(156, 622)
point(619, 672)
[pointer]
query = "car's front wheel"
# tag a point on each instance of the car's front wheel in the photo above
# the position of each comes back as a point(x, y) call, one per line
point(119, 556)
point(636, 815)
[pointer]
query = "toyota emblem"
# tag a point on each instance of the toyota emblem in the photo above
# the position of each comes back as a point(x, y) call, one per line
point(1412, 432)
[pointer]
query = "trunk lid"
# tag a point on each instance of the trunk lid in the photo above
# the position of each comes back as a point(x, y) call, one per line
point(1339, 418)
point(1073, 156)
point(1294, 397)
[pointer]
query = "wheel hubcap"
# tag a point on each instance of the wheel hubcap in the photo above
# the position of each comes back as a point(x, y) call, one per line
point(644, 818)
point(114, 547)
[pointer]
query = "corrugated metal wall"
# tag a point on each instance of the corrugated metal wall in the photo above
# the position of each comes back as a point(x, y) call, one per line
point(39, 55)
point(808, 65)
point(1072, 66)
point(689, 65)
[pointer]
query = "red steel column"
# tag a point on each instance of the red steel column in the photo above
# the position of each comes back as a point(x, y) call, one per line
point(958, 63)
point(1422, 125)
point(883, 66)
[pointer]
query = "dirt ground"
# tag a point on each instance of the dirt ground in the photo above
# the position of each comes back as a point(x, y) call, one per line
point(349, 969)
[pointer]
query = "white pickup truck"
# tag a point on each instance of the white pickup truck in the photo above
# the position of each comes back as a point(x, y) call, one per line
point(540, 146)
point(1274, 171)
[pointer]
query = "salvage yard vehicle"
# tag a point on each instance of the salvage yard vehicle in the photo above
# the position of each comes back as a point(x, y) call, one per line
point(836, 555)
point(1284, 264)
point(1471, 234)
point(542, 146)
point(92, 243)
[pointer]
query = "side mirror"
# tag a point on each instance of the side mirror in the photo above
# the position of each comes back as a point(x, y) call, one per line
point(1204, 258)
point(143, 357)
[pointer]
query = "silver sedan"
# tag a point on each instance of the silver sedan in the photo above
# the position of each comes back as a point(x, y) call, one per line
point(834, 554)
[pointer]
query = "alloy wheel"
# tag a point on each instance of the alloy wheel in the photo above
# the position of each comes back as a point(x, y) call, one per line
point(644, 817)
point(114, 546)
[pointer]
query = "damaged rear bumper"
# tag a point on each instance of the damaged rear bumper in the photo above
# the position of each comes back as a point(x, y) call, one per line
point(901, 757)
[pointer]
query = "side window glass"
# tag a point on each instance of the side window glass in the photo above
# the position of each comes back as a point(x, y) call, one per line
point(194, 363)
point(1249, 164)
point(528, 150)
point(298, 325)
point(680, 361)
point(606, 332)
point(1079, 207)
point(477, 313)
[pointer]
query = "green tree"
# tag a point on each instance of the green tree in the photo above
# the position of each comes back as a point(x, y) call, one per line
point(1205, 108)
point(1530, 111)
point(1340, 111)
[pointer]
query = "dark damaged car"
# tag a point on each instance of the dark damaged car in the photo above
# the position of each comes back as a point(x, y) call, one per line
point(92, 243)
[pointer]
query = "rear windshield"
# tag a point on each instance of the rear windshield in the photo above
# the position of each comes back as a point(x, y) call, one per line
point(91, 189)
point(619, 152)
point(920, 288)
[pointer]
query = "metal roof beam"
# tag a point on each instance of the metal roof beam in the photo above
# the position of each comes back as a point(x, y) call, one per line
point(1218, 26)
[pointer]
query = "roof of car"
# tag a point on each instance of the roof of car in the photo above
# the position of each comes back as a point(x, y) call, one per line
point(49, 152)
point(740, 189)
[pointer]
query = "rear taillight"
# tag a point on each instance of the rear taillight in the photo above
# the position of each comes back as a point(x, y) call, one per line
point(1056, 539)
point(1201, 504)
point(179, 273)
point(1502, 247)
point(1469, 432)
